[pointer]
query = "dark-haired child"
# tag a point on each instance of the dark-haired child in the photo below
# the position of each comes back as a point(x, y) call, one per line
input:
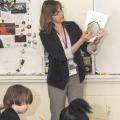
point(78, 109)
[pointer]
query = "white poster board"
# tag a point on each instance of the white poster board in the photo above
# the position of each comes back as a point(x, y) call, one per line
point(108, 57)
point(21, 57)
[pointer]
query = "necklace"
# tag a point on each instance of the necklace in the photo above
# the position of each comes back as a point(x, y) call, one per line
point(65, 40)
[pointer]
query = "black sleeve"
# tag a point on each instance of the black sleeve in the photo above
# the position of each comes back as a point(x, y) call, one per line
point(45, 39)
point(78, 32)
point(49, 44)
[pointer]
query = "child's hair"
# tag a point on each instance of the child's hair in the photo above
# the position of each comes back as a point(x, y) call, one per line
point(77, 110)
point(17, 94)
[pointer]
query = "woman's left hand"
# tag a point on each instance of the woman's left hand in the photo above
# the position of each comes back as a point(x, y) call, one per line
point(100, 34)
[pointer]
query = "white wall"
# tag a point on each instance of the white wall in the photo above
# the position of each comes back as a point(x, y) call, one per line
point(108, 57)
point(76, 10)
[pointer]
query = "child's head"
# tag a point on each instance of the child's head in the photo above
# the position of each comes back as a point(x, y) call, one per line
point(18, 97)
point(77, 110)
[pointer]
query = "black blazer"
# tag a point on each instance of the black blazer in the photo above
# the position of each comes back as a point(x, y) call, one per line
point(58, 73)
point(9, 114)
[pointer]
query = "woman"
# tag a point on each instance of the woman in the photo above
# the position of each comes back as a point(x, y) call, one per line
point(63, 41)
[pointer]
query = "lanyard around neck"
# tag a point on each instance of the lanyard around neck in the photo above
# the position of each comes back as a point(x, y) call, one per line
point(65, 40)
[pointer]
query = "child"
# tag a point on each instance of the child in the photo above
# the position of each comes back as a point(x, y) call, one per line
point(16, 101)
point(78, 109)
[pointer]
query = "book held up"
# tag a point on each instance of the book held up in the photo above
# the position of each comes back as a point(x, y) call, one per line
point(94, 22)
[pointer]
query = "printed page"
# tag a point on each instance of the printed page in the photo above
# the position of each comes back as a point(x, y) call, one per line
point(95, 21)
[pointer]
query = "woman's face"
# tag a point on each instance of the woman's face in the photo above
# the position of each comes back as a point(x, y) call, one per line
point(58, 17)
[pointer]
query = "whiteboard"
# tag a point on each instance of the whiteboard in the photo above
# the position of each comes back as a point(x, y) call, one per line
point(18, 59)
point(11, 58)
point(108, 57)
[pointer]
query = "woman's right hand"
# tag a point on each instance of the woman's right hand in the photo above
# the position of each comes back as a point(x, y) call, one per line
point(86, 36)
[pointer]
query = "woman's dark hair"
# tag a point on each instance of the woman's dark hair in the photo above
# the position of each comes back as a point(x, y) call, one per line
point(49, 8)
point(77, 110)
point(17, 94)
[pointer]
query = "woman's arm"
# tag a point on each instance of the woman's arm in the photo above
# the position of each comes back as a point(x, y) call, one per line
point(99, 36)
point(86, 37)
